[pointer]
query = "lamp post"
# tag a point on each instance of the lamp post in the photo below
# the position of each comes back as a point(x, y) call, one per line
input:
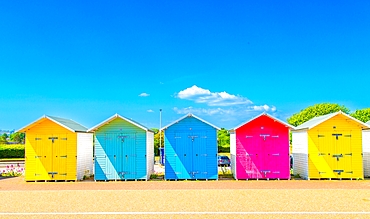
point(160, 126)
point(160, 137)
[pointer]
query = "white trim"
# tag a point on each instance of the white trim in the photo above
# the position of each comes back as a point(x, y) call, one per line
point(44, 117)
point(268, 115)
point(329, 116)
point(189, 115)
point(115, 116)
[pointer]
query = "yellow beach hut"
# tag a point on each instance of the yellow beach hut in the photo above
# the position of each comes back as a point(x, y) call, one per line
point(329, 146)
point(57, 149)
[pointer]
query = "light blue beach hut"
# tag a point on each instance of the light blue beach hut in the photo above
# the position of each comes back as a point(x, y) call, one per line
point(190, 149)
point(124, 150)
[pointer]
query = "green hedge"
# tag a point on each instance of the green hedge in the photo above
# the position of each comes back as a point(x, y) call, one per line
point(223, 149)
point(11, 151)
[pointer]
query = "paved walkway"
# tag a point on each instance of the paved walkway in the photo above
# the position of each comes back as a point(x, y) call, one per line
point(185, 199)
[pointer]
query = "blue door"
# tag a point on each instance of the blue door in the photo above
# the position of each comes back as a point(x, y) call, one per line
point(191, 155)
point(111, 147)
point(129, 156)
point(199, 154)
point(183, 155)
point(119, 161)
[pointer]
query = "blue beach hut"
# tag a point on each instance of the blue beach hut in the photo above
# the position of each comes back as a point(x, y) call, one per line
point(124, 150)
point(190, 145)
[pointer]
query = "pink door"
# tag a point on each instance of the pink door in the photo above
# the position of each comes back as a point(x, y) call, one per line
point(248, 159)
point(276, 153)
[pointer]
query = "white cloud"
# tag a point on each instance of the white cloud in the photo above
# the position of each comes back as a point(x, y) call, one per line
point(233, 111)
point(144, 95)
point(200, 95)
point(229, 116)
point(202, 111)
point(221, 106)
point(264, 108)
point(150, 111)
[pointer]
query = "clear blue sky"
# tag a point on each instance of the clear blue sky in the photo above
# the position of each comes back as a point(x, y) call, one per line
point(225, 61)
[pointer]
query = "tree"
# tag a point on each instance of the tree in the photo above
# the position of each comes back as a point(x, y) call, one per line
point(314, 111)
point(17, 137)
point(223, 138)
point(157, 140)
point(3, 138)
point(362, 115)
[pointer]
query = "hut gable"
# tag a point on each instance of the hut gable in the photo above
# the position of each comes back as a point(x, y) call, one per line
point(321, 119)
point(65, 123)
point(190, 120)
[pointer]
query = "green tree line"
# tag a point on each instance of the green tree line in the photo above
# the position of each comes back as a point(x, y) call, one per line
point(326, 108)
point(16, 137)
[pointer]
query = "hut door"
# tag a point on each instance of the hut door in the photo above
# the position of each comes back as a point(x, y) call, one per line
point(247, 156)
point(60, 157)
point(322, 158)
point(337, 154)
point(266, 145)
point(342, 156)
point(109, 167)
point(53, 144)
point(183, 151)
point(128, 164)
point(199, 155)
point(277, 161)
point(42, 157)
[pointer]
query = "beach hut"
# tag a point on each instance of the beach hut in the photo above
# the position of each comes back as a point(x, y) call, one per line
point(259, 149)
point(366, 150)
point(57, 149)
point(329, 146)
point(190, 145)
point(124, 150)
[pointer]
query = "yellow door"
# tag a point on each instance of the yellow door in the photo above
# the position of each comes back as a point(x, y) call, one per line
point(342, 154)
point(43, 157)
point(51, 145)
point(323, 161)
point(60, 157)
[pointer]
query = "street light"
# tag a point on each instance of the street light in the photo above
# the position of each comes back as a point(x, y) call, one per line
point(160, 126)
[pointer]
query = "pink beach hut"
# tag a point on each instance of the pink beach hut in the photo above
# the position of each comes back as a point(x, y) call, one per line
point(259, 149)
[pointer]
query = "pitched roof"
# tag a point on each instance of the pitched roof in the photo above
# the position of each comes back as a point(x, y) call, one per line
point(264, 114)
point(320, 119)
point(66, 123)
point(119, 116)
point(186, 116)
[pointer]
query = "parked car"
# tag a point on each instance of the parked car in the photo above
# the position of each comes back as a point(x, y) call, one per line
point(223, 160)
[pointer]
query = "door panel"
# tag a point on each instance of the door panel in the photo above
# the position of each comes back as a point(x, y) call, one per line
point(184, 155)
point(128, 145)
point(249, 157)
point(110, 147)
point(265, 143)
point(199, 155)
point(342, 156)
point(60, 157)
point(43, 158)
point(322, 157)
